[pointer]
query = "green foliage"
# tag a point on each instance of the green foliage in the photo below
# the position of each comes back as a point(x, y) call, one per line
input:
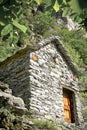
point(45, 25)
point(83, 87)
point(42, 22)
point(11, 12)
point(75, 55)
point(84, 113)
point(75, 44)
point(75, 6)
point(6, 50)
point(38, 2)
point(56, 6)
point(80, 45)
point(9, 121)
point(78, 42)
point(83, 97)
point(6, 30)
point(45, 124)
point(21, 27)
point(76, 9)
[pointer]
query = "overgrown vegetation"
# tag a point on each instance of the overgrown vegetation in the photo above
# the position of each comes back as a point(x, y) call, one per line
point(40, 22)
point(85, 113)
point(45, 124)
point(25, 22)
point(9, 121)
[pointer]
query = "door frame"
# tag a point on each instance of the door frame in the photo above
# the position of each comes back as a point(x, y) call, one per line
point(71, 97)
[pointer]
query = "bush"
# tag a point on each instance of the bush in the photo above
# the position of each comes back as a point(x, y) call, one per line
point(84, 113)
point(42, 22)
point(9, 120)
point(45, 124)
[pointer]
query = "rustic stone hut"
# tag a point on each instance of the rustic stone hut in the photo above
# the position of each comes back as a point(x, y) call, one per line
point(46, 79)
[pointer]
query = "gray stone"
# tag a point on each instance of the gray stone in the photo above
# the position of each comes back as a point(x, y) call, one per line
point(7, 100)
point(3, 86)
point(12, 100)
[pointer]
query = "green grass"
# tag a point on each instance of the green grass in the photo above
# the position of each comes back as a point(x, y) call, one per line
point(45, 124)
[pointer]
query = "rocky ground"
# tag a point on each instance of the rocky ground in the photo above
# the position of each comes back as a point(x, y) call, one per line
point(14, 115)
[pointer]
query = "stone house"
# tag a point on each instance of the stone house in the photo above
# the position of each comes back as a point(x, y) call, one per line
point(46, 78)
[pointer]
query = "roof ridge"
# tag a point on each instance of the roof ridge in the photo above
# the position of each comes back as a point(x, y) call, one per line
point(60, 47)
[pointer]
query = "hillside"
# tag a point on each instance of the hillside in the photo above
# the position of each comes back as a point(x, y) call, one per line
point(41, 24)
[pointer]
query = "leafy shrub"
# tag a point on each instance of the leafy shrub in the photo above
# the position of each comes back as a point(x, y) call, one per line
point(45, 124)
point(42, 22)
point(9, 121)
point(84, 113)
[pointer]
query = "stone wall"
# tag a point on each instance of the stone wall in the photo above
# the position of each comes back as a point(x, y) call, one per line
point(48, 75)
point(38, 77)
point(16, 75)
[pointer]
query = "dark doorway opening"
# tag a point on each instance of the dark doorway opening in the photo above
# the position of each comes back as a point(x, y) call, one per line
point(69, 107)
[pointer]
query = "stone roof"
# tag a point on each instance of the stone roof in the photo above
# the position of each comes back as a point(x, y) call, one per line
point(54, 40)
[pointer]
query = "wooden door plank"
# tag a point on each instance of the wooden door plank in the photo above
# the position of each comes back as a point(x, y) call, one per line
point(67, 109)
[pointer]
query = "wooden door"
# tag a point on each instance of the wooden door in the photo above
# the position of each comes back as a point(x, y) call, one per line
point(67, 108)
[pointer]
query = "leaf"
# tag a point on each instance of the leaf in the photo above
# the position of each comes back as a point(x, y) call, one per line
point(15, 39)
point(6, 30)
point(21, 27)
point(78, 19)
point(74, 4)
point(48, 2)
point(73, 16)
point(2, 23)
point(64, 1)
point(56, 6)
point(65, 11)
point(38, 1)
point(1, 1)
